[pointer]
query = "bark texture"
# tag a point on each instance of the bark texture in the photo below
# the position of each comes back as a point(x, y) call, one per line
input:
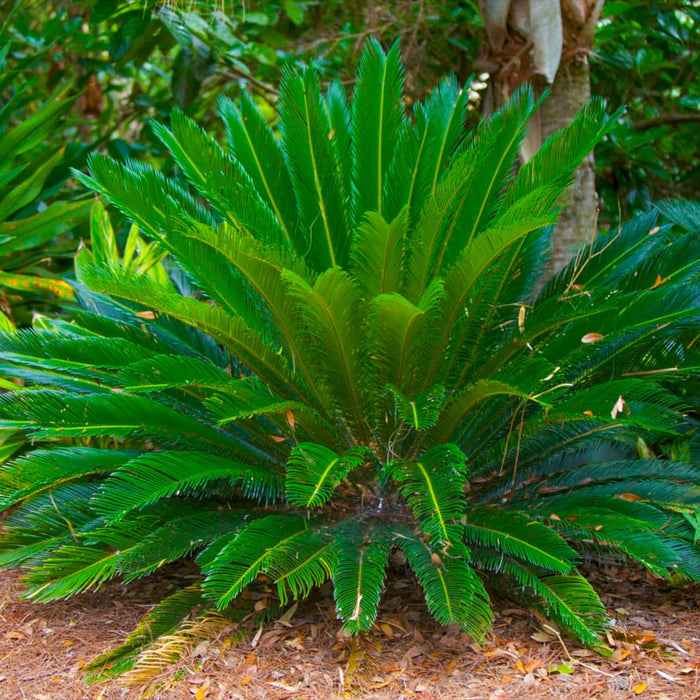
point(577, 220)
point(522, 46)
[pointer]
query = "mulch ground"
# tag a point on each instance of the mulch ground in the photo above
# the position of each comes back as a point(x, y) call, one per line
point(656, 644)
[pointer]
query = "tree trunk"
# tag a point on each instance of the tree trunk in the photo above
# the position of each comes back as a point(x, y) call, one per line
point(577, 220)
point(547, 42)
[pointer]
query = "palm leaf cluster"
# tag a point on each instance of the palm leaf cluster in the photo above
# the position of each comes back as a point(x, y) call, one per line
point(348, 356)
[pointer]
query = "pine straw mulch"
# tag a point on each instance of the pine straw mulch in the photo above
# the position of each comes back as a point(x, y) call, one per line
point(304, 656)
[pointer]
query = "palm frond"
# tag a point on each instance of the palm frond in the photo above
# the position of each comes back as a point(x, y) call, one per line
point(314, 472)
point(377, 119)
point(312, 161)
point(247, 554)
point(433, 488)
point(358, 579)
point(453, 590)
point(158, 475)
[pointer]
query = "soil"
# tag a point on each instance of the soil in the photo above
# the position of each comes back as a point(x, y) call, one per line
point(303, 654)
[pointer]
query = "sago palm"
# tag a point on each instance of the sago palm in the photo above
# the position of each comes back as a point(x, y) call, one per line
point(347, 359)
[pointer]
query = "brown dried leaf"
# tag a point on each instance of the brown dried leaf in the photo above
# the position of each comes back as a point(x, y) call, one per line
point(592, 337)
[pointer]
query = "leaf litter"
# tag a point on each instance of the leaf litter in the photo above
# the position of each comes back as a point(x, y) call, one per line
point(303, 654)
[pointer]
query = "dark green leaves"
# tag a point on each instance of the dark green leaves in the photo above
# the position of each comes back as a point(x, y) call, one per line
point(314, 471)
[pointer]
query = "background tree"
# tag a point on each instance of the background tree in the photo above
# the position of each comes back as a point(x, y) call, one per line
point(548, 43)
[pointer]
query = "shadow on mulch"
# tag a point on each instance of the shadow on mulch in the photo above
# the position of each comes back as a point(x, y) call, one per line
point(407, 655)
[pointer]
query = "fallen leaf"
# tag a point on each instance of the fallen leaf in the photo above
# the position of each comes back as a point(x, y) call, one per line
point(639, 689)
point(566, 669)
point(592, 337)
point(542, 637)
point(628, 497)
point(15, 635)
point(521, 319)
point(148, 315)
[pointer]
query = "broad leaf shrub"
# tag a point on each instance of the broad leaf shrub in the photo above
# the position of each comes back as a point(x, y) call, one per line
point(349, 357)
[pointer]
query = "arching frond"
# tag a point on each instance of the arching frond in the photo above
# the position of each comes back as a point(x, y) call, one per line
point(247, 554)
point(158, 475)
point(519, 537)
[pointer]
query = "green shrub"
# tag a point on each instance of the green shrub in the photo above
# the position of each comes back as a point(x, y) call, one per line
point(348, 358)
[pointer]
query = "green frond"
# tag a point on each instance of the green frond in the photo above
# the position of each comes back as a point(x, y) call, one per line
point(684, 213)
point(154, 476)
point(328, 315)
point(312, 161)
point(70, 569)
point(401, 339)
point(467, 196)
point(377, 120)
point(563, 151)
point(433, 488)
point(54, 414)
point(41, 525)
point(568, 600)
point(177, 538)
point(169, 648)
point(314, 472)
point(520, 537)
point(339, 119)
point(222, 326)
point(378, 252)
point(161, 372)
point(299, 565)
point(421, 412)
point(633, 537)
point(37, 471)
point(143, 194)
point(247, 554)
point(458, 408)
point(363, 554)
point(453, 590)
point(255, 149)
